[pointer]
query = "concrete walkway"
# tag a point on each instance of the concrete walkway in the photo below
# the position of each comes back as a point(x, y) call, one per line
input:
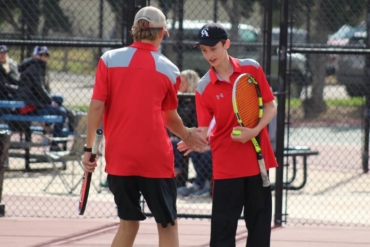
point(39, 232)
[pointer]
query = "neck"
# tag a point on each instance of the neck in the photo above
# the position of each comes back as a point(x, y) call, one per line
point(156, 42)
point(224, 67)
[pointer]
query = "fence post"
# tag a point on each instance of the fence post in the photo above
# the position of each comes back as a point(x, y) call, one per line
point(283, 43)
point(4, 147)
point(365, 151)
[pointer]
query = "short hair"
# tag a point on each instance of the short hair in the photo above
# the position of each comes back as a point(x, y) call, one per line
point(192, 78)
point(142, 31)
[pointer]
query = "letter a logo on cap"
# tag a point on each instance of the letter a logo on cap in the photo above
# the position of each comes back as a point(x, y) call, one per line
point(204, 32)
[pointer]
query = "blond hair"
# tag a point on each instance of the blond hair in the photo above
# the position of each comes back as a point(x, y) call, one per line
point(142, 31)
point(192, 78)
point(6, 64)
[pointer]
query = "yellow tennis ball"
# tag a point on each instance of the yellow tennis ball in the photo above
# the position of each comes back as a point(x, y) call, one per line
point(237, 132)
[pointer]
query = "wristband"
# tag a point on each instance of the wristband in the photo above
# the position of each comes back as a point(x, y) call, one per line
point(86, 149)
point(188, 138)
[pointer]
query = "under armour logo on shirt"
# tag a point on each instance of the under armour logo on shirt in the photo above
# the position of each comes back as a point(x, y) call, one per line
point(219, 96)
point(204, 32)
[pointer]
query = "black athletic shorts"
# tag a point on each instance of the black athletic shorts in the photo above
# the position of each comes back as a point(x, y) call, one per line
point(160, 195)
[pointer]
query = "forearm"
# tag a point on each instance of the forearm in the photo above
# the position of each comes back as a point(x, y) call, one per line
point(268, 114)
point(175, 125)
point(94, 118)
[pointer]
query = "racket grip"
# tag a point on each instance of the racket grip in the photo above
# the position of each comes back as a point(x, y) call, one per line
point(264, 176)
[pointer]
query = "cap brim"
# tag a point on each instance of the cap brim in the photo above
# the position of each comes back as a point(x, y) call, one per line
point(207, 42)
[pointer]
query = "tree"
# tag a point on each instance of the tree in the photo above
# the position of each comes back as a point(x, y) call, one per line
point(30, 12)
point(327, 17)
point(55, 19)
point(7, 12)
point(117, 5)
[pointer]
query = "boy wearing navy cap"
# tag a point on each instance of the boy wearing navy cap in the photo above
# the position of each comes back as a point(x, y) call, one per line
point(35, 93)
point(237, 180)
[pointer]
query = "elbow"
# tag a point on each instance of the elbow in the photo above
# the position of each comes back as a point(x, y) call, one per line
point(272, 107)
point(96, 106)
point(275, 109)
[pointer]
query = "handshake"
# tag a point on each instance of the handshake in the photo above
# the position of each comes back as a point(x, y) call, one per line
point(195, 141)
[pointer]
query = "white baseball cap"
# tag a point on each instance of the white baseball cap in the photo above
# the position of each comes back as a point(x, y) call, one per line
point(154, 16)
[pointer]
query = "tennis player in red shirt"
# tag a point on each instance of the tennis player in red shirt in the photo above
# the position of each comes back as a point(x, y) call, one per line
point(136, 91)
point(237, 180)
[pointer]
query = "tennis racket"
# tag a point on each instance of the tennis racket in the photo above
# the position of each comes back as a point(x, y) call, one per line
point(87, 175)
point(248, 108)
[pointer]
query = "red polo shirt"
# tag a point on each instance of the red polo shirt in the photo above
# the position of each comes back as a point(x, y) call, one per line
point(137, 83)
point(231, 159)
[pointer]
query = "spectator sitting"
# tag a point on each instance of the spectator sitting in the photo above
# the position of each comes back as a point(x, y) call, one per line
point(33, 92)
point(9, 75)
point(186, 110)
point(202, 162)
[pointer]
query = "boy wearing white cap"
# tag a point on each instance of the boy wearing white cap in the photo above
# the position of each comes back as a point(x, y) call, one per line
point(136, 94)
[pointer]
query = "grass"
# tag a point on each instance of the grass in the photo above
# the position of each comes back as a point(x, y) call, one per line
point(73, 60)
point(80, 107)
point(350, 102)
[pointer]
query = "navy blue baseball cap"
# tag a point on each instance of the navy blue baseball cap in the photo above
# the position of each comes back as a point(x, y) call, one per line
point(41, 50)
point(210, 34)
point(3, 48)
point(57, 98)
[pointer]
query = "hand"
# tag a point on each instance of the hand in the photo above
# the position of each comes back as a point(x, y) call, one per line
point(88, 165)
point(245, 135)
point(197, 142)
point(182, 147)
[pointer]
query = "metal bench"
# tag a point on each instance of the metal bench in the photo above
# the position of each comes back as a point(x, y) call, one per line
point(31, 118)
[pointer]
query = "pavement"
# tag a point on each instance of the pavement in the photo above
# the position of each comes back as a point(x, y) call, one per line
point(42, 232)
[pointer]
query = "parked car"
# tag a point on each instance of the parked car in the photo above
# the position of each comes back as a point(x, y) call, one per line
point(351, 68)
point(341, 38)
point(299, 71)
point(193, 58)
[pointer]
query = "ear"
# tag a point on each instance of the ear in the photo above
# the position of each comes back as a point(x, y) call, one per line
point(227, 44)
point(165, 33)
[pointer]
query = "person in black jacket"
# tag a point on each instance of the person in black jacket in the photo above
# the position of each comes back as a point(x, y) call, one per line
point(32, 90)
point(9, 75)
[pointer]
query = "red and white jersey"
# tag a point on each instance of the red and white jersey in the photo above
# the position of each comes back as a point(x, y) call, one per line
point(137, 83)
point(231, 159)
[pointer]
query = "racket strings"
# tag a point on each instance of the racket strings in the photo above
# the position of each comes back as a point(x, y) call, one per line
point(248, 102)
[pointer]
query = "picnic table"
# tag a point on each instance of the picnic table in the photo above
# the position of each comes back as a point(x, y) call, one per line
point(294, 153)
point(25, 143)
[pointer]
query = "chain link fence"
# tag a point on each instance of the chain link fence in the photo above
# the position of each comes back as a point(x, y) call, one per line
point(326, 126)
